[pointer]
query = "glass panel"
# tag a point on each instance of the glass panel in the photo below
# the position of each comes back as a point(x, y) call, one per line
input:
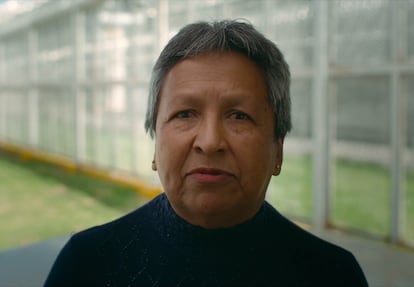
point(141, 53)
point(16, 116)
point(363, 110)
point(56, 121)
point(120, 48)
point(178, 16)
point(47, 121)
point(144, 154)
point(2, 63)
point(253, 11)
point(362, 31)
point(119, 40)
point(16, 66)
point(67, 123)
point(143, 146)
point(119, 106)
point(3, 115)
point(361, 177)
point(103, 130)
point(408, 199)
point(91, 111)
point(291, 27)
point(55, 51)
point(205, 10)
point(301, 108)
point(409, 27)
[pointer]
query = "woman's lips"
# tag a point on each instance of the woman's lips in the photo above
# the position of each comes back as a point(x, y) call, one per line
point(210, 175)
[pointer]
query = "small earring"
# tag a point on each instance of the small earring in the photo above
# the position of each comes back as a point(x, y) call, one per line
point(154, 165)
point(277, 170)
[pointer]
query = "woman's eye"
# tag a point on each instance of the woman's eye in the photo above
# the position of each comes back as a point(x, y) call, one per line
point(240, 116)
point(183, 114)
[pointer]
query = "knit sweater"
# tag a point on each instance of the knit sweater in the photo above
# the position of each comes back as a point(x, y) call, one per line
point(152, 246)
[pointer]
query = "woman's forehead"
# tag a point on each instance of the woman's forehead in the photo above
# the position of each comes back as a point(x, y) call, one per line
point(224, 70)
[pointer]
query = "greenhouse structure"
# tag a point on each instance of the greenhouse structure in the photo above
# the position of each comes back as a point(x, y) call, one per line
point(74, 82)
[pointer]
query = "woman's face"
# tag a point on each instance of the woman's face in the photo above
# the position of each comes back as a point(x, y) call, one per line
point(215, 147)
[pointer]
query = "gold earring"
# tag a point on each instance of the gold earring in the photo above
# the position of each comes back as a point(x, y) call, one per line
point(154, 165)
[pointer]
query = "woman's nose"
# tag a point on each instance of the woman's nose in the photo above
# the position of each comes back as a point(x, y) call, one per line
point(210, 137)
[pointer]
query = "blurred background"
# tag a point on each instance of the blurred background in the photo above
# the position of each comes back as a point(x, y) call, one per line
point(73, 88)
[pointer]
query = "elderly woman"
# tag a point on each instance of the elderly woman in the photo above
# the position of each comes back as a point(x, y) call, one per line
point(219, 109)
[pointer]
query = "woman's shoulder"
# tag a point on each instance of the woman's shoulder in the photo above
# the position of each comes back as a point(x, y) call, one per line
point(295, 233)
point(308, 251)
point(124, 227)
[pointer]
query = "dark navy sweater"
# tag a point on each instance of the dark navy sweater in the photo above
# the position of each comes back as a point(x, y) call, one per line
point(152, 246)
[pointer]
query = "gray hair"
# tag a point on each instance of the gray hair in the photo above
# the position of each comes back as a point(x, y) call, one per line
point(203, 37)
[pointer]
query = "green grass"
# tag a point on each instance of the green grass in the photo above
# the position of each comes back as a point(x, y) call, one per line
point(290, 192)
point(360, 196)
point(409, 207)
point(39, 201)
point(361, 199)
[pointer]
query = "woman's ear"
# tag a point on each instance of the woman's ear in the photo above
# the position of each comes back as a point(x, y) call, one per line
point(279, 156)
point(154, 164)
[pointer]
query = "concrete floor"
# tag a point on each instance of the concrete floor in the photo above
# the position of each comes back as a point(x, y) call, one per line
point(384, 265)
point(29, 265)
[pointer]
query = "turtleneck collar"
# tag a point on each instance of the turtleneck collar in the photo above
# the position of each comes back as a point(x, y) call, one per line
point(173, 227)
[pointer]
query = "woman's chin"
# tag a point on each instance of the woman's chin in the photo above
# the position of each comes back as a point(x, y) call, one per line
point(212, 211)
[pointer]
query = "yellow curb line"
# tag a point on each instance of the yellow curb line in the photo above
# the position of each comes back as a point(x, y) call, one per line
point(140, 186)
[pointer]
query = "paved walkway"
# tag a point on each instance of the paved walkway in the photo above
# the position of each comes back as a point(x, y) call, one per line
point(383, 264)
point(29, 265)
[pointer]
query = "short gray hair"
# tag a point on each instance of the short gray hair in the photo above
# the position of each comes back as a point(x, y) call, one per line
point(228, 35)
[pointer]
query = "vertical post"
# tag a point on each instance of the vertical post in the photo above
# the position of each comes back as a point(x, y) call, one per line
point(396, 131)
point(2, 94)
point(321, 146)
point(33, 102)
point(78, 76)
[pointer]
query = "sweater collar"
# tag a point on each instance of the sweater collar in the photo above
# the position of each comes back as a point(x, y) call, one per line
point(172, 226)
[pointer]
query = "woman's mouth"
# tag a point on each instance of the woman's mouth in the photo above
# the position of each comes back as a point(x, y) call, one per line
point(210, 175)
